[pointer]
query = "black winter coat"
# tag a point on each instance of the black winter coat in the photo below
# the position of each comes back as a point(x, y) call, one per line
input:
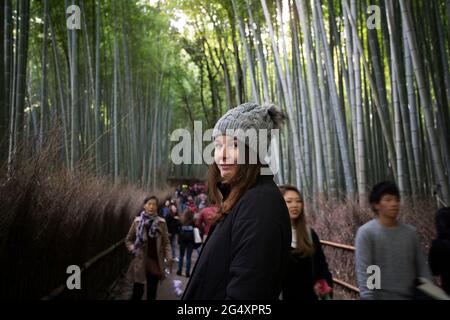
point(439, 257)
point(186, 234)
point(173, 225)
point(246, 254)
point(303, 272)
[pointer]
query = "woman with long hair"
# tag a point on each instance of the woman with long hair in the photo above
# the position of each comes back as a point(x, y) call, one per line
point(246, 253)
point(308, 277)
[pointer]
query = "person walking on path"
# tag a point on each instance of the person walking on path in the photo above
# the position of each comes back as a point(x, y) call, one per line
point(186, 241)
point(390, 248)
point(173, 227)
point(148, 241)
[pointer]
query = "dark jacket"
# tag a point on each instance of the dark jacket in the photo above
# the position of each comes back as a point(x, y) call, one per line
point(173, 225)
point(439, 257)
point(303, 272)
point(245, 255)
point(186, 234)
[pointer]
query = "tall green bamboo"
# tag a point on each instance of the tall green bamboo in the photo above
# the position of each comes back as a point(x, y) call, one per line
point(425, 99)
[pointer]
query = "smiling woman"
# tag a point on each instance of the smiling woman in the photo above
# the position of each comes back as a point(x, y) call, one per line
point(308, 275)
point(246, 253)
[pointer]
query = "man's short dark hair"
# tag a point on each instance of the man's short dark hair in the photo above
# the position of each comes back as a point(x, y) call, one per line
point(381, 189)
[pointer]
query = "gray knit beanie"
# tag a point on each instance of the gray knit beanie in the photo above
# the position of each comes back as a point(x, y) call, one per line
point(250, 116)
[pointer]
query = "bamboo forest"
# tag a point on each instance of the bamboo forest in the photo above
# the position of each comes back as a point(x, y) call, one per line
point(92, 91)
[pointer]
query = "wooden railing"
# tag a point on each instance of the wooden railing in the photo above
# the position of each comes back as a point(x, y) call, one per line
point(344, 247)
point(60, 289)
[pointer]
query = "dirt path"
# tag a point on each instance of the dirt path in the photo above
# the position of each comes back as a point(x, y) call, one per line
point(123, 288)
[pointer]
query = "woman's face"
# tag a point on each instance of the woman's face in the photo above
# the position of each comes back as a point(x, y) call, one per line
point(167, 203)
point(294, 203)
point(151, 206)
point(226, 155)
point(173, 209)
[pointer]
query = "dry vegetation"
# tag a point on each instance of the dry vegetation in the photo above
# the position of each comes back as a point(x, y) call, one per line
point(51, 218)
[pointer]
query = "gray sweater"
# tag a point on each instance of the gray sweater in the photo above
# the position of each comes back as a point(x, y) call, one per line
point(398, 253)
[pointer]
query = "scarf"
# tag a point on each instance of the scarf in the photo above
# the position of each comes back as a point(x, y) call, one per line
point(147, 222)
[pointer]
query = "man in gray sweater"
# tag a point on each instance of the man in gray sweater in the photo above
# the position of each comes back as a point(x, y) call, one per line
point(388, 249)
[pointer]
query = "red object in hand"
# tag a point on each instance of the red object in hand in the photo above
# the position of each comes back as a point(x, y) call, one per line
point(322, 288)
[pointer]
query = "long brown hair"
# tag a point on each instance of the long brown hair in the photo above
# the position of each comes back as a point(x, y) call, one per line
point(187, 218)
point(244, 178)
point(305, 246)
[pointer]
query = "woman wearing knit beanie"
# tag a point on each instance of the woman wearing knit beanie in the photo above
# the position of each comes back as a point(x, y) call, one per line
point(247, 250)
